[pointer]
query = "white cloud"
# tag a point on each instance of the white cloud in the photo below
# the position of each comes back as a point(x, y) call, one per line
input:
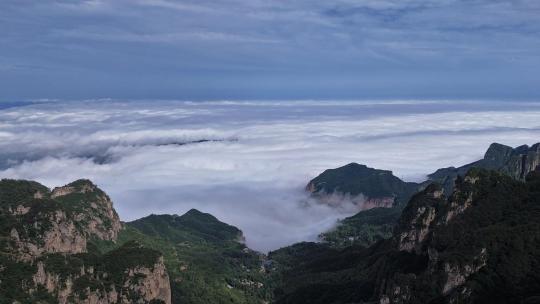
point(255, 178)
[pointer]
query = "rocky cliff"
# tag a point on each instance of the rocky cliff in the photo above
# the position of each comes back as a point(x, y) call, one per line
point(515, 162)
point(47, 254)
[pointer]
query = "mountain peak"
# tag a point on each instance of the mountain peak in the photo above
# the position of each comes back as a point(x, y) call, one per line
point(195, 212)
point(498, 152)
point(515, 162)
point(192, 226)
point(364, 186)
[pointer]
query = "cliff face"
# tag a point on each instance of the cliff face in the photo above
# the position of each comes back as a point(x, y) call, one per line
point(137, 284)
point(61, 221)
point(46, 251)
point(515, 162)
point(91, 207)
point(428, 215)
point(417, 218)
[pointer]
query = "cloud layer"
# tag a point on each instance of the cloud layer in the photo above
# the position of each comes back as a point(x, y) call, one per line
point(269, 49)
point(261, 154)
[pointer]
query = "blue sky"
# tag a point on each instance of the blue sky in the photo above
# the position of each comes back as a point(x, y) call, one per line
point(255, 49)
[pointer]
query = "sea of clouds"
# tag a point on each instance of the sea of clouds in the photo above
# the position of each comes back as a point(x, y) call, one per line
point(247, 163)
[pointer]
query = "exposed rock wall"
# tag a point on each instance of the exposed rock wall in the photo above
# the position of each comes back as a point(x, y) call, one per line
point(427, 212)
point(48, 237)
point(140, 285)
point(97, 212)
point(154, 286)
point(59, 235)
point(417, 219)
point(515, 162)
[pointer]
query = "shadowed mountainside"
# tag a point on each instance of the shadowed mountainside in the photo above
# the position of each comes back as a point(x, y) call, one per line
point(369, 226)
point(479, 244)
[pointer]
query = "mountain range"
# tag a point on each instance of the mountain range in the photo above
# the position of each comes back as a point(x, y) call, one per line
point(376, 222)
point(466, 235)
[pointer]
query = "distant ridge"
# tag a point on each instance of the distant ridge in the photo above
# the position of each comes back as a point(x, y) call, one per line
point(515, 162)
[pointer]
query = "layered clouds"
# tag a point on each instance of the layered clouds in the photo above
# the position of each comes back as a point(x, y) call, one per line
point(246, 162)
point(269, 49)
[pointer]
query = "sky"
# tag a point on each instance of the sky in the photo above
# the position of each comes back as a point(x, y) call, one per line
point(268, 50)
point(258, 155)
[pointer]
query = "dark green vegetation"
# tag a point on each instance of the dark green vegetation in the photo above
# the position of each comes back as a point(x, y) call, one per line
point(204, 258)
point(480, 245)
point(364, 228)
point(192, 226)
point(355, 179)
point(379, 188)
point(369, 226)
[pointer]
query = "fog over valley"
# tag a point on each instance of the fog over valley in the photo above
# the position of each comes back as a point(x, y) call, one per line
point(246, 162)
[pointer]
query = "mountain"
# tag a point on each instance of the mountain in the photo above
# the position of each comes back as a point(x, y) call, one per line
point(480, 244)
point(193, 225)
point(515, 162)
point(47, 256)
point(366, 187)
point(206, 259)
point(378, 193)
point(69, 246)
point(368, 226)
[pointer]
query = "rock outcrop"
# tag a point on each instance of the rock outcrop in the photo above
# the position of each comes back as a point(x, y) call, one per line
point(45, 251)
point(417, 219)
point(515, 162)
point(60, 235)
point(134, 284)
point(154, 285)
point(91, 207)
point(425, 216)
point(61, 221)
